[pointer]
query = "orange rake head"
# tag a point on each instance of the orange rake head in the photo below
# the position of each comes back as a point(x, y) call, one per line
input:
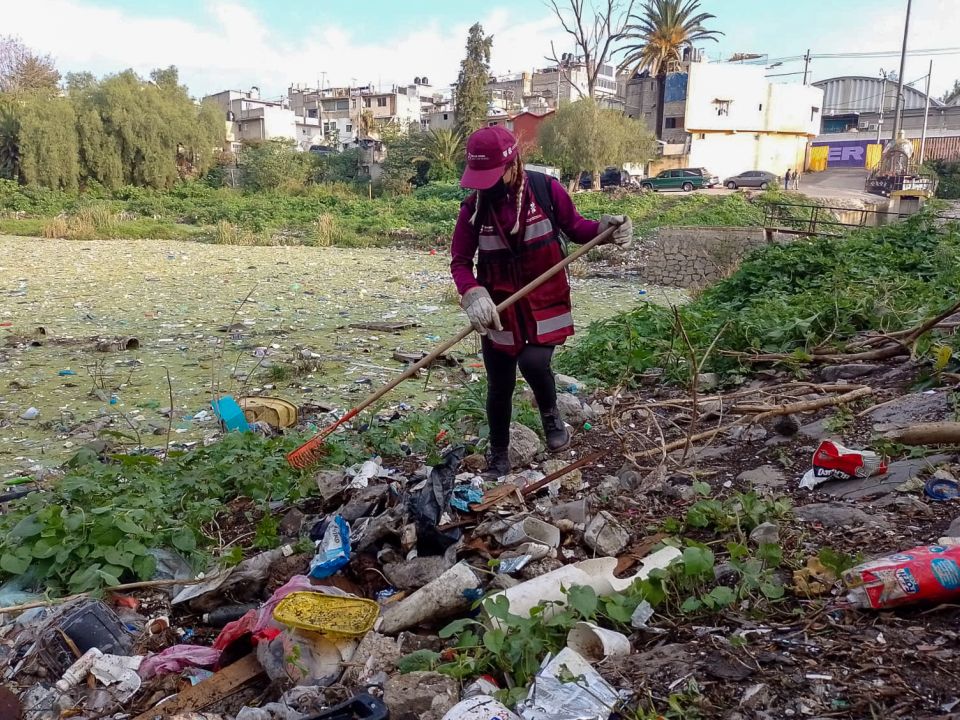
point(313, 450)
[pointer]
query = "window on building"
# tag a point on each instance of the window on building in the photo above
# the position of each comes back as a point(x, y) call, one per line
point(446, 116)
point(354, 103)
point(760, 107)
point(343, 104)
point(673, 123)
point(703, 136)
point(723, 107)
point(381, 102)
point(349, 128)
point(813, 113)
point(312, 112)
point(366, 102)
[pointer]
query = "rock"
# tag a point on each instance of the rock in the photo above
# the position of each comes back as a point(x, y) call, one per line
point(630, 476)
point(748, 433)
point(727, 667)
point(571, 481)
point(954, 529)
point(904, 502)
point(604, 535)
point(413, 574)
point(575, 511)
point(707, 381)
point(411, 696)
point(786, 425)
point(375, 653)
point(898, 473)
point(766, 534)
point(850, 371)
point(725, 573)
point(816, 430)
point(609, 485)
point(291, 524)
point(835, 514)
point(764, 476)
point(475, 463)
point(330, 483)
point(574, 411)
point(524, 445)
point(364, 502)
point(912, 409)
point(540, 567)
point(755, 696)
point(679, 487)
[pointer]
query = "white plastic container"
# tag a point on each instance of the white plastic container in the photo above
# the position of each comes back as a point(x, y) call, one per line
point(480, 707)
point(437, 599)
point(595, 643)
point(597, 573)
point(531, 529)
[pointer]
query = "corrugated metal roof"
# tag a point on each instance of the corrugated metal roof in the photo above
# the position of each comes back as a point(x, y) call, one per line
point(856, 94)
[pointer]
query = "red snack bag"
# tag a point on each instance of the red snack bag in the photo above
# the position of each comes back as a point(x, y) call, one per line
point(929, 573)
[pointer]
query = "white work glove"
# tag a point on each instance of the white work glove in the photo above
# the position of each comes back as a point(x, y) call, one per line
point(481, 310)
point(623, 235)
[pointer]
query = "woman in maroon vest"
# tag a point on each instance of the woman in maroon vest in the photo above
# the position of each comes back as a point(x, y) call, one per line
point(514, 241)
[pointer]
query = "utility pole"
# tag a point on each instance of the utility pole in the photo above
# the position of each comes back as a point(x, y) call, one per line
point(903, 63)
point(926, 113)
point(883, 102)
point(806, 65)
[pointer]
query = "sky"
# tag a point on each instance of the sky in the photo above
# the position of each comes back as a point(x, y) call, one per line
point(236, 44)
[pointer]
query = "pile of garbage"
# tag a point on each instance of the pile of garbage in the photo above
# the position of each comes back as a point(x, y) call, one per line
point(350, 617)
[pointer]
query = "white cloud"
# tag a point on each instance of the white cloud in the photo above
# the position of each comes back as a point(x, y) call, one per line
point(233, 47)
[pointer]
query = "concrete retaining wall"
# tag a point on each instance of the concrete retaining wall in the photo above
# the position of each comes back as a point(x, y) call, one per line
point(693, 257)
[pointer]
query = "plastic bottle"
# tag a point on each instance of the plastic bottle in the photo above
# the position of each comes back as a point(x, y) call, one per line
point(75, 674)
point(228, 613)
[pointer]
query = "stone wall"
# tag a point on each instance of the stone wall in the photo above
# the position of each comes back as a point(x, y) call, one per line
point(693, 257)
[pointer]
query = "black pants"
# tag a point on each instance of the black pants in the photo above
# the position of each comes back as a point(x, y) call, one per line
point(534, 363)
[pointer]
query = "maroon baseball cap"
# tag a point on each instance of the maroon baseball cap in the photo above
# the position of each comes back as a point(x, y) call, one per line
point(489, 150)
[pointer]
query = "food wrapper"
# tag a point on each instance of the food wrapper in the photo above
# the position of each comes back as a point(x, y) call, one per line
point(568, 688)
point(833, 461)
point(929, 573)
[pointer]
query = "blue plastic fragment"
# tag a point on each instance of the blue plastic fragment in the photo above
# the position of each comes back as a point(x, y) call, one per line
point(333, 550)
point(230, 414)
point(464, 496)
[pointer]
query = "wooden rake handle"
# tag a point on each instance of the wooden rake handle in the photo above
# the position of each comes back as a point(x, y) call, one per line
point(446, 345)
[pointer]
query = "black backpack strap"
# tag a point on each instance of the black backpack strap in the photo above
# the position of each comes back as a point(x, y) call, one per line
point(540, 187)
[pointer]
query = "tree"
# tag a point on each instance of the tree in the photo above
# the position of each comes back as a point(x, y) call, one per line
point(594, 32)
point(272, 164)
point(48, 142)
point(952, 95)
point(471, 91)
point(404, 164)
point(22, 70)
point(656, 39)
point(582, 136)
point(444, 151)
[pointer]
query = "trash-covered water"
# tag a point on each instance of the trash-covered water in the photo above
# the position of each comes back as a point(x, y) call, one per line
point(219, 318)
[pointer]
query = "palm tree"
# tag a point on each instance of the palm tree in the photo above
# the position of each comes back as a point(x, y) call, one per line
point(444, 152)
point(657, 38)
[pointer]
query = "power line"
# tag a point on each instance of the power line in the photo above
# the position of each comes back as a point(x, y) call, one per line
point(864, 54)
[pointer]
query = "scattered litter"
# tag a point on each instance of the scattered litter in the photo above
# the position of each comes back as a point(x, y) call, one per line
point(30, 413)
point(333, 549)
point(276, 412)
point(595, 643)
point(327, 614)
point(229, 413)
point(942, 487)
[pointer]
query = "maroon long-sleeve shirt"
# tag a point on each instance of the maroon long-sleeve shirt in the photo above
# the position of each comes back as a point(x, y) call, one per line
point(463, 249)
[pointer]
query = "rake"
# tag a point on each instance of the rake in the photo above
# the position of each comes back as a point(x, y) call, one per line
point(312, 451)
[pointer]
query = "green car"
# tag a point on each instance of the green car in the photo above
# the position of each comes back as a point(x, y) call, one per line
point(685, 179)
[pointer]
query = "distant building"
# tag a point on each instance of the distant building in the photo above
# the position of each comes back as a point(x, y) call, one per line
point(249, 118)
point(526, 126)
point(727, 118)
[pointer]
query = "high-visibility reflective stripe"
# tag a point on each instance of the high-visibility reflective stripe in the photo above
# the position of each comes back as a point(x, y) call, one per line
point(492, 242)
point(537, 230)
point(555, 323)
point(501, 337)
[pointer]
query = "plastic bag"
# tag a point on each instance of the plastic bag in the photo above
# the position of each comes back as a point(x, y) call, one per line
point(333, 550)
point(429, 504)
point(177, 658)
point(833, 461)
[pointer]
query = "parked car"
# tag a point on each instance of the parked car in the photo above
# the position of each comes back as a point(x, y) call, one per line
point(611, 177)
point(752, 178)
point(685, 179)
point(322, 150)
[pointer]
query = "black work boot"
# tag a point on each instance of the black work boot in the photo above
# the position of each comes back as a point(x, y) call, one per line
point(555, 431)
point(498, 462)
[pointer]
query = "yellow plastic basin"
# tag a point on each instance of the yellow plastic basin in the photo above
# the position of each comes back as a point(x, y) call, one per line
point(327, 614)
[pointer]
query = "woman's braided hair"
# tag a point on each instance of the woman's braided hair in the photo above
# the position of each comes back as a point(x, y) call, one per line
point(518, 185)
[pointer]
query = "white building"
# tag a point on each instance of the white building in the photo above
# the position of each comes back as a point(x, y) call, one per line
point(739, 121)
point(250, 118)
